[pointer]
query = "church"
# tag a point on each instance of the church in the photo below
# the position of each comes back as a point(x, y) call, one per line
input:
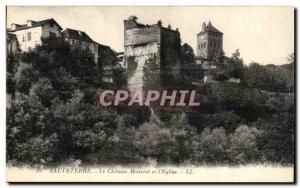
point(209, 43)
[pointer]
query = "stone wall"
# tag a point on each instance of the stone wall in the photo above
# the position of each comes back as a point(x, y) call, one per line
point(213, 43)
point(138, 58)
point(151, 54)
point(138, 36)
point(170, 56)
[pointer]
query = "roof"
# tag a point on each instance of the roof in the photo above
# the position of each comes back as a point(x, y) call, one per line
point(11, 36)
point(209, 28)
point(37, 24)
point(133, 24)
point(76, 34)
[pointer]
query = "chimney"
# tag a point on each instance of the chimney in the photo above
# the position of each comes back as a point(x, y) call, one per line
point(13, 26)
point(209, 23)
point(203, 26)
point(30, 23)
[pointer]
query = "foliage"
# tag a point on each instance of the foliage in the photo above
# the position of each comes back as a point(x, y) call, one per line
point(212, 146)
point(155, 142)
point(243, 147)
point(190, 71)
point(52, 118)
point(270, 77)
point(227, 68)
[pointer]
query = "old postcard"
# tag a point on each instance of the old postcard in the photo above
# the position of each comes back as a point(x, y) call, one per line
point(150, 94)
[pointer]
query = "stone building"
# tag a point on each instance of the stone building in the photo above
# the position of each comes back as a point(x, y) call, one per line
point(108, 60)
point(209, 42)
point(150, 54)
point(30, 34)
point(82, 40)
point(27, 36)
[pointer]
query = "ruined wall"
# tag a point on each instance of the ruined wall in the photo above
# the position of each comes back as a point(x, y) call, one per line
point(138, 36)
point(170, 56)
point(137, 59)
point(151, 54)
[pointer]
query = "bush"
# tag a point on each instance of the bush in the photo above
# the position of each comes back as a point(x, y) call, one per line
point(243, 148)
point(37, 150)
point(155, 142)
point(212, 147)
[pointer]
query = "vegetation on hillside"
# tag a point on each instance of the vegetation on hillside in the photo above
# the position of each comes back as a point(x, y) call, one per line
point(52, 118)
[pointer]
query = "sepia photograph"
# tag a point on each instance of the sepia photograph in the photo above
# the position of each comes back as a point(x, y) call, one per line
point(152, 94)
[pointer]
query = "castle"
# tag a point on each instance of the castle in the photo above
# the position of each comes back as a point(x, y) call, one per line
point(151, 54)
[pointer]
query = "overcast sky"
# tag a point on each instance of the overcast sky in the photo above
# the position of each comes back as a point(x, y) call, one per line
point(263, 34)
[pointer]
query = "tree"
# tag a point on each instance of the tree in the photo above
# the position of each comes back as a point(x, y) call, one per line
point(126, 150)
point(24, 77)
point(212, 146)
point(187, 53)
point(43, 90)
point(37, 150)
point(289, 72)
point(56, 54)
point(155, 142)
point(190, 71)
point(269, 77)
point(184, 134)
point(234, 66)
point(243, 147)
point(276, 142)
point(228, 120)
point(227, 68)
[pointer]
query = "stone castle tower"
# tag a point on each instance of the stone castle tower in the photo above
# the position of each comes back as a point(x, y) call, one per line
point(150, 53)
point(209, 41)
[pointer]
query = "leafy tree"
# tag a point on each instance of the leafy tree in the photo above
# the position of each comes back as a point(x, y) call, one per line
point(290, 73)
point(187, 53)
point(37, 150)
point(43, 90)
point(243, 147)
point(24, 77)
point(212, 146)
point(126, 149)
point(155, 142)
point(184, 134)
point(269, 77)
point(226, 68)
point(276, 141)
point(228, 120)
point(190, 71)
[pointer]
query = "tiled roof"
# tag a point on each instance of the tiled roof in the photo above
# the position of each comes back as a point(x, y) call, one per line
point(210, 28)
point(36, 24)
point(76, 34)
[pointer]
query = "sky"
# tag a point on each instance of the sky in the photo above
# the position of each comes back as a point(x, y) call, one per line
point(262, 34)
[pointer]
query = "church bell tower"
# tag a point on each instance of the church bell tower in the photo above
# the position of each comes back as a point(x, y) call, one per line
point(209, 41)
